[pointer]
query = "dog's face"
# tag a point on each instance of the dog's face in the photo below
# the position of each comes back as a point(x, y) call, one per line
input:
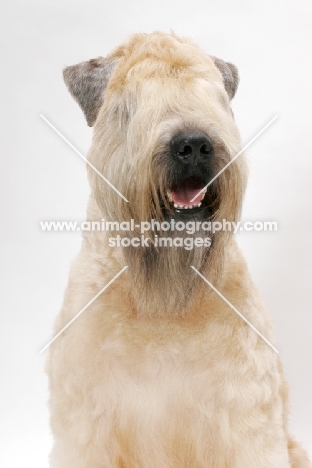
point(163, 133)
point(163, 129)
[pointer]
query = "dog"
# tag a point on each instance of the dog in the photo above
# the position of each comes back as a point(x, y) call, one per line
point(159, 371)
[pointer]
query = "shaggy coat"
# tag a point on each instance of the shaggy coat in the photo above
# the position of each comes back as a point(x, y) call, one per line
point(159, 372)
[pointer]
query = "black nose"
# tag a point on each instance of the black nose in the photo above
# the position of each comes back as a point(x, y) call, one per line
point(191, 147)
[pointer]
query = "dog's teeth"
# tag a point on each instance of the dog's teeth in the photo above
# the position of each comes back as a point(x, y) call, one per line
point(186, 207)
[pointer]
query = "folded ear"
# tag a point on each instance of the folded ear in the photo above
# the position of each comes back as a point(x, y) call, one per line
point(87, 82)
point(229, 74)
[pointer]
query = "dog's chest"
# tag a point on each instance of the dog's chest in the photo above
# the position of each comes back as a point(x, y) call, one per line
point(168, 375)
point(171, 386)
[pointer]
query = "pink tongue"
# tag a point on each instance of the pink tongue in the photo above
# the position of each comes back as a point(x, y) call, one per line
point(187, 191)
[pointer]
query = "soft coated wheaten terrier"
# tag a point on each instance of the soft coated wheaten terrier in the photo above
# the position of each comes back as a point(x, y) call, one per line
point(159, 371)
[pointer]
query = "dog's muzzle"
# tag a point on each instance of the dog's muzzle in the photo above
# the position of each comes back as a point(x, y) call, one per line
point(192, 151)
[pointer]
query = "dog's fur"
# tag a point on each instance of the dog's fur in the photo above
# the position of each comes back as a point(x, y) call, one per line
point(159, 372)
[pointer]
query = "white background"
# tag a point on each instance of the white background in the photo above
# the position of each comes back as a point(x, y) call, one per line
point(43, 179)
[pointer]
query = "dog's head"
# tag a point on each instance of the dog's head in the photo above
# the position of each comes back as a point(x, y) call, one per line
point(164, 130)
point(164, 136)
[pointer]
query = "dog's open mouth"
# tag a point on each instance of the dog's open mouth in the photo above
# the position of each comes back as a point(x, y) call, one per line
point(188, 195)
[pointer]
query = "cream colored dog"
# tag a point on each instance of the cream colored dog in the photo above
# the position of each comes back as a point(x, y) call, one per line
point(159, 371)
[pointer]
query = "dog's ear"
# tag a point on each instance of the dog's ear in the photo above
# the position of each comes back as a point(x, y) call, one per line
point(229, 74)
point(87, 82)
